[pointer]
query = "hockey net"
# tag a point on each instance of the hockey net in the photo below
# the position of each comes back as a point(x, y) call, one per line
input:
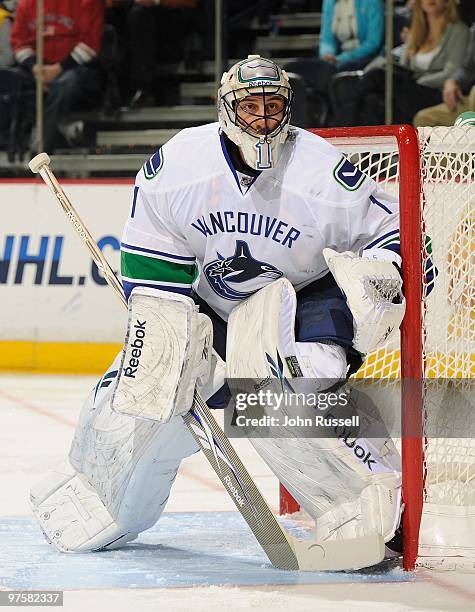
point(432, 367)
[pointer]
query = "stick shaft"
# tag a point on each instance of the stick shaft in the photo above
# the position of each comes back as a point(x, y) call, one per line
point(96, 254)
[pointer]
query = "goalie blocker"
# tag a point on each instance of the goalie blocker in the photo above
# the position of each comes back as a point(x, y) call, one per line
point(167, 351)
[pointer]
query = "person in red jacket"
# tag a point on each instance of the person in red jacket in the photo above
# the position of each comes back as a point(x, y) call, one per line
point(72, 38)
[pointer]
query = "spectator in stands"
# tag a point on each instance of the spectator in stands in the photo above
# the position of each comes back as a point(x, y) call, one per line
point(72, 38)
point(7, 9)
point(458, 93)
point(352, 32)
point(156, 33)
point(351, 35)
point(435, 46)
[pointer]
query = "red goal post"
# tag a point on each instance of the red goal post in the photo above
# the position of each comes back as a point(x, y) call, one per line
point(404, 139)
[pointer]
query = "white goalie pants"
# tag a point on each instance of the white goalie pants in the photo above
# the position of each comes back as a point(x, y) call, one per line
point(118, 479)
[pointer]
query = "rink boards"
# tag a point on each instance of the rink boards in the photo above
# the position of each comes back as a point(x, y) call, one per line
point(58, 313)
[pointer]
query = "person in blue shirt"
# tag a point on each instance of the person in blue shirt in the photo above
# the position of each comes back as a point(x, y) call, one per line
point(352, 32)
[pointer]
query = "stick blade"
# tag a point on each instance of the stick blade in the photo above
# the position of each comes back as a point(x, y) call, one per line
point(40, 160)
point(338, 555)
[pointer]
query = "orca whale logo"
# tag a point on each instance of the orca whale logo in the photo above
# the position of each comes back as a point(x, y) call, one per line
point(241, 269)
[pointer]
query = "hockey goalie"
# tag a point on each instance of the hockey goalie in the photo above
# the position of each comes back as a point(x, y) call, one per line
point(258, 239)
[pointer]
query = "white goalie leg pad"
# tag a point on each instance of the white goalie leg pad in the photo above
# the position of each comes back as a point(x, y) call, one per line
point(216, 379)
point(118, 480)
point(167, 349)
point(261, 341)
point(71, 513)
point(350, 484)
point(373, 291)
point(377, 509)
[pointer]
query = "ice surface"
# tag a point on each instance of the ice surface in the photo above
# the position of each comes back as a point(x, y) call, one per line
point(182, 550)
point(199, 541)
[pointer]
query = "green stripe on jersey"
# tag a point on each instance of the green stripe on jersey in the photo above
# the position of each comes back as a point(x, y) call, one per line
point(394, 240)
point(141, 267)
point(428, 245)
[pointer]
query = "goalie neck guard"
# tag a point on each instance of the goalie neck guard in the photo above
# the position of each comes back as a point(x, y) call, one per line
point(254, 104)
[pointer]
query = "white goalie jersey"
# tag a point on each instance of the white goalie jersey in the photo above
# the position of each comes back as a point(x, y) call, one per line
point(195, 221)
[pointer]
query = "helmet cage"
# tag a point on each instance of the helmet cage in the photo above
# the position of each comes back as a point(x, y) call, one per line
point(231, 100)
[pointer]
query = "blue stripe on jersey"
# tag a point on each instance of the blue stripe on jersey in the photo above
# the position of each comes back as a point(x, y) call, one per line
point(128, 286)
point(395, 247)
point(431, 271)
point(153, 165)
point(233, 170)
point(134, 203)
point(228, 159)
point(378, 203)
point(159, 253)
point(431, 274)
point(156, 161)
point(381, 238)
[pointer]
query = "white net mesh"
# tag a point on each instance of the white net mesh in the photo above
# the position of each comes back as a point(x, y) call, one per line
point(378, 157)
point(448, 164)
point(448, 218)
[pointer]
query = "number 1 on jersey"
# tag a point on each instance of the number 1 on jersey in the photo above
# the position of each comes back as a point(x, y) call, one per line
point(264, 159)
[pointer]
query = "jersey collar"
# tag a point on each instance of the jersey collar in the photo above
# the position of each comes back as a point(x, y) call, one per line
point(243, 181)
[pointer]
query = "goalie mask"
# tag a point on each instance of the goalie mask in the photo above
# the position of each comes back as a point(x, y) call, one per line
point(254, 104)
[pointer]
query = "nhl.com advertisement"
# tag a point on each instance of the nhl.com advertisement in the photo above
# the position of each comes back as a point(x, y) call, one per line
point(55, 293)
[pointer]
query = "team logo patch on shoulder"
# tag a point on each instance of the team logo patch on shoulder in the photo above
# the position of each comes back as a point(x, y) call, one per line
point(240, 275)
point(348, 175)
point(153, 166)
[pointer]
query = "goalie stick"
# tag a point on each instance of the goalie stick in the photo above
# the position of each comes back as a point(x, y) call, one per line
point(283, 550)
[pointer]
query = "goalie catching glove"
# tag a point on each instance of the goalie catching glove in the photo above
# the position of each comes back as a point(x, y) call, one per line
point(373, 291)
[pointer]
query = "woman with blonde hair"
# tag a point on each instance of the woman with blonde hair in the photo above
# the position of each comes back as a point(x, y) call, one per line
point(435, 46)
point(436, 41)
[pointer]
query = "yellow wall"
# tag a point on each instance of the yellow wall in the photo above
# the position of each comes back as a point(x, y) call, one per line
point(59, 357)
